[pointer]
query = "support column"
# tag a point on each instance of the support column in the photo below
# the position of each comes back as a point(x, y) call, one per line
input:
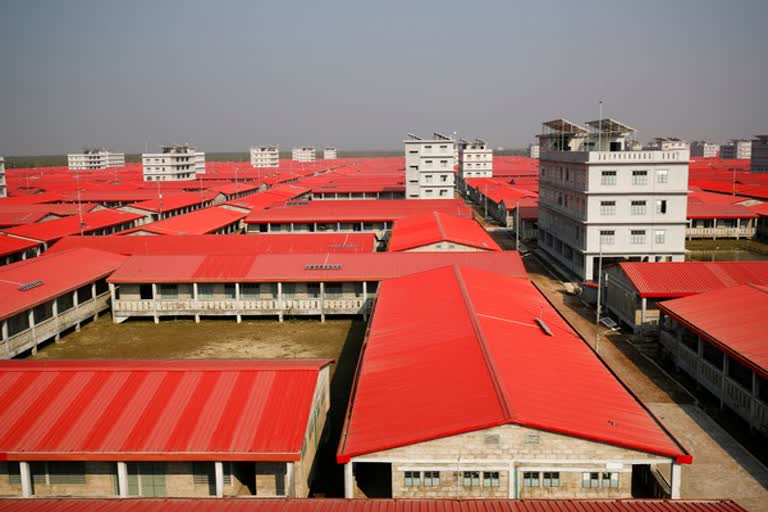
point(723, 380)
point(5, 337)
point(675, 481)
point(349, 481)
point(154, 302)
point(55, 312)
point(113, 299)
point(76, 303)
point(753, 400)
point(322, 302)
point(122, 479)
point(26, 480)
point(31, 320)
point(280, 302)
point(195, 298)
point(643, 309)
point(237, 302)
point(218, 469)
point(290, 480)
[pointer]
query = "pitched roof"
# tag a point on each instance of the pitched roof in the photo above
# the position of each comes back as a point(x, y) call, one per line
point(52, 230)
point(60, 273)
point(434, 227)
point(174, 201)
point(730, 318)
point(316, 267)
point(11, 245)
point(489, 329)
point(199, 222)
point(139, 410)
point(679, 279)
point(699, 210)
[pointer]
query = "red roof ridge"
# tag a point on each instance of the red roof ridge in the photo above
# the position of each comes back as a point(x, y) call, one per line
point(440, 225)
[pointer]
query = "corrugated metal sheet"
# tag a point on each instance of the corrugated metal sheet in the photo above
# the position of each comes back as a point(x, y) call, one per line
point(199, 222)
point(155, 410)
point(360, 505)
point(482, 327)
point(174, 201)
point(434, 227)
point(60, 273)
point(679, 279)
point(54, 229)
point(222, 244)
point(293, 267)
point(699, 210)
point(11, 245)
point(732, 318)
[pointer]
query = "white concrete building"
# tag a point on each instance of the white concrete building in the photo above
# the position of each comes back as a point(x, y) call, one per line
point(666, 144)
point(475, 159)
point(533, 150)
point(429, 167)
point(330, 154)
point(596, 197)
point(3, 188)
point(704, 149)
point(178, 162)
point(265, 156)
point(738, 149)
point(759, 153)
point(303, 154)
point(95, 158)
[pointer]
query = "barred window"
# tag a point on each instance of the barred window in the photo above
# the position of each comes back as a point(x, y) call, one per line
point(608, 178)
point(607, 207)
point(638, 208)
point(66, 472)
point(608, 479)
point(639, 177)
point(662, 176)
point(431, 479)
point(660, 236)
point(607, 237)
point(637, 237)
point(590, 480)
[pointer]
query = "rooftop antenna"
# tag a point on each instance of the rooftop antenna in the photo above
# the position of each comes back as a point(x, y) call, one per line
point(600, 128)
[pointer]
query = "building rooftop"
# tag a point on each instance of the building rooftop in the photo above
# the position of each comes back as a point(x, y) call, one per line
point(11, 245)
point(53, 230)
point(434, 227)
point(198, 222)
point(519, 361)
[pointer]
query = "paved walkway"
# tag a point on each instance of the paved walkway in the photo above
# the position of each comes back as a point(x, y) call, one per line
point(722, 468)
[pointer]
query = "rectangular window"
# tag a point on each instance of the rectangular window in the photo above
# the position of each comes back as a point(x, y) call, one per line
point(637, 237)
point(204, 290)
point(607, 207)
point(42, 312)
point(444, 178)
point(607, 237)
point(639, 177)
point(490, 478)
point(661, 206)
point(662, 176)
point(431, 479)
point(660, 236)
point(551, 479)
point(84, 294)
point(471, 479)
point(590, 480)
point(638, 208)
point(608, 178)
point(146, 479)
point(609, 479)
point(531, 479)
point(428, 178)
point(412, 478)
point(65, 303)
point(66, 472)
point(168, 291)
point(18, 323)
point(443, 193)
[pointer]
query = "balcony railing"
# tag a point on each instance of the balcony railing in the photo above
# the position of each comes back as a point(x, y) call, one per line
point(679, 155)
point(354, 305)
point(740, 232)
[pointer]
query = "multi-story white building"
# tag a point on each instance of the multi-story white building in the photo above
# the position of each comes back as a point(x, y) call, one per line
point(533, 151)
point(429, 167)
point(178, 162)
point(3, 189)
point(759, 154)
point(665, 144)
point(303, 154)
point(265, 156)
point(330, 154)
point(704, 149)
point(475, 159)
point(95, 158)
point(738, 149)
point(596, 197)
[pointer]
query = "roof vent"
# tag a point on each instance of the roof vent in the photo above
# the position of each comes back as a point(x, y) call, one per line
point(30, 285)
point(544, 327)
point(323, 266)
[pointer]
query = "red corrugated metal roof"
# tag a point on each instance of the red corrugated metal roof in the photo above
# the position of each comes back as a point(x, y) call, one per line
point(156, 410)
point(293, 267)
point(360, 505)
point(431, 327)
point(174, 202)
point(11, 245)
point(222, 244)
point(61, 272)
point(733, 318)
point(199, 222)
point(54, 229)
point(9, 219)
point(434, 227)
point(678, 279)
point(697, 210)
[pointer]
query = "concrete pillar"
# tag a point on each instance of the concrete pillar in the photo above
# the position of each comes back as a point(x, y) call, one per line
point(290, 480)
point(31, 320)
point(113, 299)
point(724, 379)
point(349, 481)
point(55, 311)
point(643, 309)
point(154, 302)
point(26, 480)
point(753, 400)
point(218, 469)
point(322, 302)
point(675, 481)
point(122, 479)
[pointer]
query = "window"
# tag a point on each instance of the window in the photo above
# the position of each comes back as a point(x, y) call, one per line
point(443, 193)
point(609, 479)
point(661, 206)
point(42, 312)
point(18, 323)
point(660, 236)
point(607, 237)
point(168, 291)
point(471, 479)
point(638, 208)
point(64, 303)
point(490, 478)
point(662, 176)
point(145, 291)
point(146, 479)
point(66, 472)
point(590, 480)
point(428, 178)
point(443, 163)
point(530, 479)
point(607, 207)
point(639, 177)
point(608, 178)
point(551, 479)
point(431, 479)
point(637, 237)
point(444, 178)
point(84, 293)
point(412, 478)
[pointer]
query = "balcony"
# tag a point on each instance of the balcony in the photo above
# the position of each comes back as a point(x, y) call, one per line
point(226, 307)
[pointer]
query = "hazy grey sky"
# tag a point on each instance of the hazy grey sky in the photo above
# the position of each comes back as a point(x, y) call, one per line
point(360, 75)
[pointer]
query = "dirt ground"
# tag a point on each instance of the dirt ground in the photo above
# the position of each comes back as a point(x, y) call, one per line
point(209, 339)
